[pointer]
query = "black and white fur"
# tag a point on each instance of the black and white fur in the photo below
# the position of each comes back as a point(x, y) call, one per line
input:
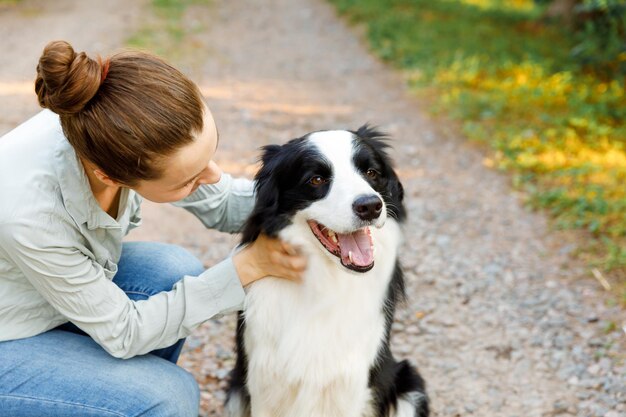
point(321, 348)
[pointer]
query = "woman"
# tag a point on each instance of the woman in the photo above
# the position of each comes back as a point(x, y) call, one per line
point(74, 300)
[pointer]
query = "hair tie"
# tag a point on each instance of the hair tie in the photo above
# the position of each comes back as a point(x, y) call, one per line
point(105, 70)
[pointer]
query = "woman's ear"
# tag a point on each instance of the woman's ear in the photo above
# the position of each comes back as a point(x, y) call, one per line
point(99, 174)
point(105, 179)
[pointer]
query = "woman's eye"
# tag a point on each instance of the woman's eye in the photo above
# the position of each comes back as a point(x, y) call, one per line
point(372, 173)
point(318, 180)
point(189, 183)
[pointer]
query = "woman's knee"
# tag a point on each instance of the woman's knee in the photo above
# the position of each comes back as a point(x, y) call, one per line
point(143, 385)
point(176, 394)
point(178, 261)
point(154, 267)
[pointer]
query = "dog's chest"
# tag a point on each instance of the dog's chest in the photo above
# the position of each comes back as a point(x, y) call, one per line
point(321, 336)
point(303, 331)
point(310, 355)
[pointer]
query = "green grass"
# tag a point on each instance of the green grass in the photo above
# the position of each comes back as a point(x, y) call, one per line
point(167, 33)
point(510, 82)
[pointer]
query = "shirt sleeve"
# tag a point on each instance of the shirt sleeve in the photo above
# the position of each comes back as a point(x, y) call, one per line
point(78, 289)
point(224, 206)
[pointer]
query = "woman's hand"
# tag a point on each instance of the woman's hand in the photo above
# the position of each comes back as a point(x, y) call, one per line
point(268, 257)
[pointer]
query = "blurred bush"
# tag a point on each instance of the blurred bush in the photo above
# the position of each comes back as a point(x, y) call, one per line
point(600, 32)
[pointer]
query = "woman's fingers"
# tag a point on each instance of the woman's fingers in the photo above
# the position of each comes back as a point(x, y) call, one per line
point(295, 263)
point(285, 260)
point(269, 257)
point(289, 274)
point(287, 248)
point(298, 263)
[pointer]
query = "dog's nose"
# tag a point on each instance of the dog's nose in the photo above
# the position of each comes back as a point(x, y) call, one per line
point(368, 207)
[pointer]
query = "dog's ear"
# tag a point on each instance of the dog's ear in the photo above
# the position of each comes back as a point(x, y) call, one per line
point(269, 152)
point(378, 141)
point(396, 189)
point(265, 210)
point(394, 196)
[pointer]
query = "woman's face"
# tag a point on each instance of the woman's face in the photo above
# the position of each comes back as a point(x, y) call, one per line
point(187, 169)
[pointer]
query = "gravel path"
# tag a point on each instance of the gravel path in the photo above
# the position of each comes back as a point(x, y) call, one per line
point(499, 320)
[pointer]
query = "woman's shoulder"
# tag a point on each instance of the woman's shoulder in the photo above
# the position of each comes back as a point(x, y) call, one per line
point(31, 145)
point(29, 155)
point(36, 134)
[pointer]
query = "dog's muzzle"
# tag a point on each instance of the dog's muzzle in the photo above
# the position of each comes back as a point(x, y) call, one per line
point(355, 249)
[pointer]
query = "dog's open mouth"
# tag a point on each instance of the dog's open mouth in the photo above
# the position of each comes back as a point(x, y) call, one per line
point(356, 249)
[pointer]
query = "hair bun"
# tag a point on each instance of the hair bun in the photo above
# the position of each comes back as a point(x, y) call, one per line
point(66, 81)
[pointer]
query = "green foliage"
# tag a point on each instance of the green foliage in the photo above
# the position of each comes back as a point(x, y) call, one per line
point(512, 82)
point(601, 37)
point(166, 34)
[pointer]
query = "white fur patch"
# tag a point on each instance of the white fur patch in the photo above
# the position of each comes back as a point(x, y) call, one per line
point(407, 404)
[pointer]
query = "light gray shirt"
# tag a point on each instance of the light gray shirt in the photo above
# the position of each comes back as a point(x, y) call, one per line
point(59, 250)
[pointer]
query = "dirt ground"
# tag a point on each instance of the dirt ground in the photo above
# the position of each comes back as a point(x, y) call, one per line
point(500, 321)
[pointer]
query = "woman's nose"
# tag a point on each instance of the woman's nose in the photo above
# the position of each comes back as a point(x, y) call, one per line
point(211, 174)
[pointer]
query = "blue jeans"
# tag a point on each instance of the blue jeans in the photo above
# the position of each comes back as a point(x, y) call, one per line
point(63, 372)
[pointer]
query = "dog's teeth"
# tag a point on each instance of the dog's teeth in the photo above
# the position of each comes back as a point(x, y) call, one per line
point(332, 236)
point(350, 256)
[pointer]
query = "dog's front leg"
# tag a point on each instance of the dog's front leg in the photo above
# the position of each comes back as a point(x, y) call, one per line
point(343, 397)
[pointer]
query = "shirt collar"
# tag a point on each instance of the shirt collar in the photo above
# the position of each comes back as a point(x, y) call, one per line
point(79, 201)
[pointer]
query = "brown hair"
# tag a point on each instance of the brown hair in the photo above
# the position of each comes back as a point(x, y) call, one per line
point(123, 115)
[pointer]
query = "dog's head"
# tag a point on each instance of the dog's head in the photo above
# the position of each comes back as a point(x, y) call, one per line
point(339, 183)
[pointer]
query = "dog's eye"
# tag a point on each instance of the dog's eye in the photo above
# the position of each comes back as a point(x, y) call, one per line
point(318, 180)
point(372, 173)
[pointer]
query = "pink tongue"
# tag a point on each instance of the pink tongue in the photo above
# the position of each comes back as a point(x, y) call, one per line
point(360, 244)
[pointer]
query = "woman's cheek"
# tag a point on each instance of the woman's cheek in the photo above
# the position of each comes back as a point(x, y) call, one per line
point(178, 195)
point(193, 189)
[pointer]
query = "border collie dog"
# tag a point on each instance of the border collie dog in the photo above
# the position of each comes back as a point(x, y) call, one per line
point(320, 348)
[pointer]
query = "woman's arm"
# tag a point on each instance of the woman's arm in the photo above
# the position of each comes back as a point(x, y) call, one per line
point(78, 288)
point(224, 206)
